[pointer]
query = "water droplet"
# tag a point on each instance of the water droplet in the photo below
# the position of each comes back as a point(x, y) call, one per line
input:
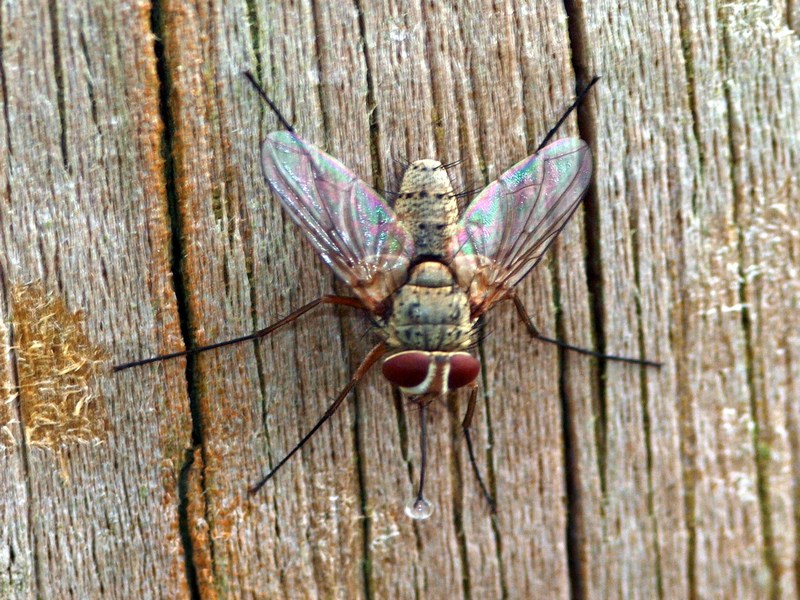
point(419, 509)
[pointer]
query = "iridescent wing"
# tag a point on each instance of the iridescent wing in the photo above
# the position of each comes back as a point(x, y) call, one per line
point(350, 226)
point(509, 226)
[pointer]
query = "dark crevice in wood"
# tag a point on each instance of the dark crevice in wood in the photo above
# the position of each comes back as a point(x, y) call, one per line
point(378, 182)
point(41, 247)
point(793, 427)
point(576, 526)
point(4, 90)
point(4, 283)
point(372, 107)
point(259, 343)
point(592, 219)
point(361, 470)
point(527, 98)
point(575, 532)
point(760, 453)
point(636, 252)
point(438, 133)
point(320, 43)
point(258, 349)
point(306, 456)
point(399, 402)
point(62, 119)
point(12, 558)
point(57, 270)
point(262, 389)
point(184, 520)
point(689, 70)
point(594, 283)
point(643, 393)
point(58, 75)
point(255, 38)
point(420, 583)
point(157, 25)
point(458, 484)
point(474, 106)
point(357, 418)
point(402, 425)
point(89, 79)
point(491, 475)
point(688, 447)
point(792, 16)
point(252, 16)
point(402, 430)
point(32, 510)
point(360, 451)
point(688, 437)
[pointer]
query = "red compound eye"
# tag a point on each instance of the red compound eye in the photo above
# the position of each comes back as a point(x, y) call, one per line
point(464, 368)
point(407, 369)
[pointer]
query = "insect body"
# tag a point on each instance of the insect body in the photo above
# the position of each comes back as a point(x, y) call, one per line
point(425, 275)
point(430, 313)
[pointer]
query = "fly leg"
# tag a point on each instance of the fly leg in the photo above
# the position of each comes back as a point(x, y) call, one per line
point(340, 300)
point(371, 358)
point(473, 398)
point(523, 314)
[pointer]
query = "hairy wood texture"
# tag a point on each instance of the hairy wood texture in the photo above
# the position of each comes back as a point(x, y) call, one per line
point(130, 187)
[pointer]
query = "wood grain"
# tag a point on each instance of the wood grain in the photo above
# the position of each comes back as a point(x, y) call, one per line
point(84, 212)
point(131, 189)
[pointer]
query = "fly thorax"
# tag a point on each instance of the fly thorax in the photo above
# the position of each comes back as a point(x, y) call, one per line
point(427, 207)
point(430, 312)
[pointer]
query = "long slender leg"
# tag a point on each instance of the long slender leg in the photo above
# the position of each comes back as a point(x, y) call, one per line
point(535, 333)
point(341, 300)
point(473, 397)
point(365, 366)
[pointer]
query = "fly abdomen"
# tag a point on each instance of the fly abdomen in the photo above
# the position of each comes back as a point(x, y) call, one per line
point(430, 312)
point(430, 306)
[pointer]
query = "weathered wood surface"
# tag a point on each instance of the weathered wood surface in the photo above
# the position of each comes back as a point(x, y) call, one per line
point(612, 481)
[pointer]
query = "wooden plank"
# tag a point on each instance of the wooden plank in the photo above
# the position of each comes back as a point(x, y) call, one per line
point(762, 138)
point(16, 554)
point(632, 490)
point(84, 215)
point(612, 480)
point(244, 265)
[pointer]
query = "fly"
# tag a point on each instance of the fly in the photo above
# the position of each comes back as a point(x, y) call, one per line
point(425, 275)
